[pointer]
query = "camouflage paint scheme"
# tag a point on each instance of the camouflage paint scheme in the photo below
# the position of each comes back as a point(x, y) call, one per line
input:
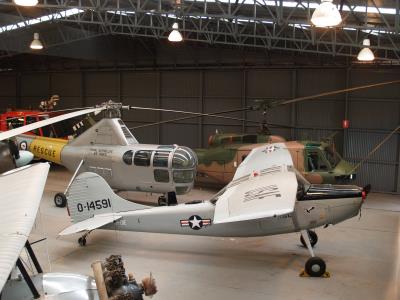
point(316, 161)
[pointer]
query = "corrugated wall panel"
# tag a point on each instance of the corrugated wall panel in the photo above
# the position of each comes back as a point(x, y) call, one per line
point(217, 90)
point(377, 114)
point(8, 91)
point(139, 84)
point(379, 169)
point(103, 85)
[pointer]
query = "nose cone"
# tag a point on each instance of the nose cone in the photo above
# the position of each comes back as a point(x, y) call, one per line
point(25, 157)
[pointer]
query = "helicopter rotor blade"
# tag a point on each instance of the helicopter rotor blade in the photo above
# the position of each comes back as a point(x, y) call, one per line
point(195, 115)
point(376, 148)
point(20, 130)
point(262, 103)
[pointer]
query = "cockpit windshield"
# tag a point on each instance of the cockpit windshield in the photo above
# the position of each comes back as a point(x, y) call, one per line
point(184, 158)
point(333, 157)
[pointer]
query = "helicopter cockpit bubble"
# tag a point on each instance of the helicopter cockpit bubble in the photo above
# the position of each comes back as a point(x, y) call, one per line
point(184, 163)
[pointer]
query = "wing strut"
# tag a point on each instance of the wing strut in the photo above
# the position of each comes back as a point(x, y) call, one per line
point(28, 279)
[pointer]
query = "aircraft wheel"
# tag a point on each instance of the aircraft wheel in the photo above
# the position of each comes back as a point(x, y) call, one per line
point(315, 267)
point(60, 200)
point(82, 241)
point(313, 238)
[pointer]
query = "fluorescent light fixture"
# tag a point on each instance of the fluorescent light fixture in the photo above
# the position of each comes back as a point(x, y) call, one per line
point(26, 2)
point(36, 43)
point(175, 35)
point(326, 15)
point(42, 19)
point(366, 54)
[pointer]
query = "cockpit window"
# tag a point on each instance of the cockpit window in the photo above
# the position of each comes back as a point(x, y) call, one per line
point(127, 157)
point(142, 158)
point(161, 175)
point(332, 156)
point(161, 159)
point(316, 161)
point(183, 176)
point(250, 139)
point(184, 158)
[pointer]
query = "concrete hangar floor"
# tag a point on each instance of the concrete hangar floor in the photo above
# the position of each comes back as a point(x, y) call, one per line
point(362, 255)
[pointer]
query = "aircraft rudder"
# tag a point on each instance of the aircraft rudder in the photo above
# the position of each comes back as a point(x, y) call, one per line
point(89, 195)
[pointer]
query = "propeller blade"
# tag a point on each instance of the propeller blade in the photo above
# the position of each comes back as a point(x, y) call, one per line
point(20, 130)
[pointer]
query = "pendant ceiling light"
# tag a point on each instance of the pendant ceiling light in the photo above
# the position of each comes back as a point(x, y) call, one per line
point(26, 2)
point(175, 35)
point(366, 54)
point(36, 43)
point(326, 15)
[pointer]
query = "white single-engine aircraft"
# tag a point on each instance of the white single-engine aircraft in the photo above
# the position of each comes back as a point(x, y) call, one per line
point(266, 196)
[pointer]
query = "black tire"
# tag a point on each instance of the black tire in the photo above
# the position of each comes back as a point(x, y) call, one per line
point(315, 267)
point(313, 238)
point(82, 241)
point(60, 200)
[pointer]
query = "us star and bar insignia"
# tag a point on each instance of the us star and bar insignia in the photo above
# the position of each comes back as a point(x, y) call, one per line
point(195, 222)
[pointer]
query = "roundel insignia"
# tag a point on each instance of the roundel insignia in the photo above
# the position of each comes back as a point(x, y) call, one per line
point(23, 145)
point(195, 222)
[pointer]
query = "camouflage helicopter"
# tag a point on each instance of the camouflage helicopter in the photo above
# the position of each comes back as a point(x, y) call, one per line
point(317, 161)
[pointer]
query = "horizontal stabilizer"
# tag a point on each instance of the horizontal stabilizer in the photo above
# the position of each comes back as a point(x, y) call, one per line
point(90, 224)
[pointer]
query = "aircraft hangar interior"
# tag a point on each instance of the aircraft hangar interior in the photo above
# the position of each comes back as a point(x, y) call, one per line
point(199, 149)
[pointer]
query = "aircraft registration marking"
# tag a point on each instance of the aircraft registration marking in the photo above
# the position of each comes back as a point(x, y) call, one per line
point(94, 205)
point(195, 222)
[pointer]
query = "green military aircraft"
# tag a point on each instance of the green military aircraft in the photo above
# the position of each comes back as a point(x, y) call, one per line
point(318, 162)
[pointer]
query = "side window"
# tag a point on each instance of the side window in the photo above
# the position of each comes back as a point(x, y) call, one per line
point(161, 159)
point(142, 158)
point(161, 175)
point(316, 161)
point(127, 157)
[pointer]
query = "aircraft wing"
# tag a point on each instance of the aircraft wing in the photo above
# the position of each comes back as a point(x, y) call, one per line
point(21, 192)
point(266, 187)
point(264, 158)
point(90, 224)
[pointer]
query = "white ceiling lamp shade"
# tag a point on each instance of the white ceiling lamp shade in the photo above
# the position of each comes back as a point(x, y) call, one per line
point(175, 36)
point(326, 15)
point(36, 43)
point(26, 2)
point(366, 54)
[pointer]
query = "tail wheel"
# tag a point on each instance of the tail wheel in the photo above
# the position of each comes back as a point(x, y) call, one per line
point(313, 238)
point(315, 267)
point(82, 241)
point(60, 200)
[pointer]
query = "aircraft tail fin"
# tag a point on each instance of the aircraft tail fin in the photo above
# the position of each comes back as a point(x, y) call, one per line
point(106, 132)
point(90, 195)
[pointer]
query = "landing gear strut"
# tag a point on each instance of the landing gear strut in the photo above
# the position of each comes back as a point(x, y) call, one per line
point(82, 239)
point(171, 200)
point(315, 266)
point(312, 236)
